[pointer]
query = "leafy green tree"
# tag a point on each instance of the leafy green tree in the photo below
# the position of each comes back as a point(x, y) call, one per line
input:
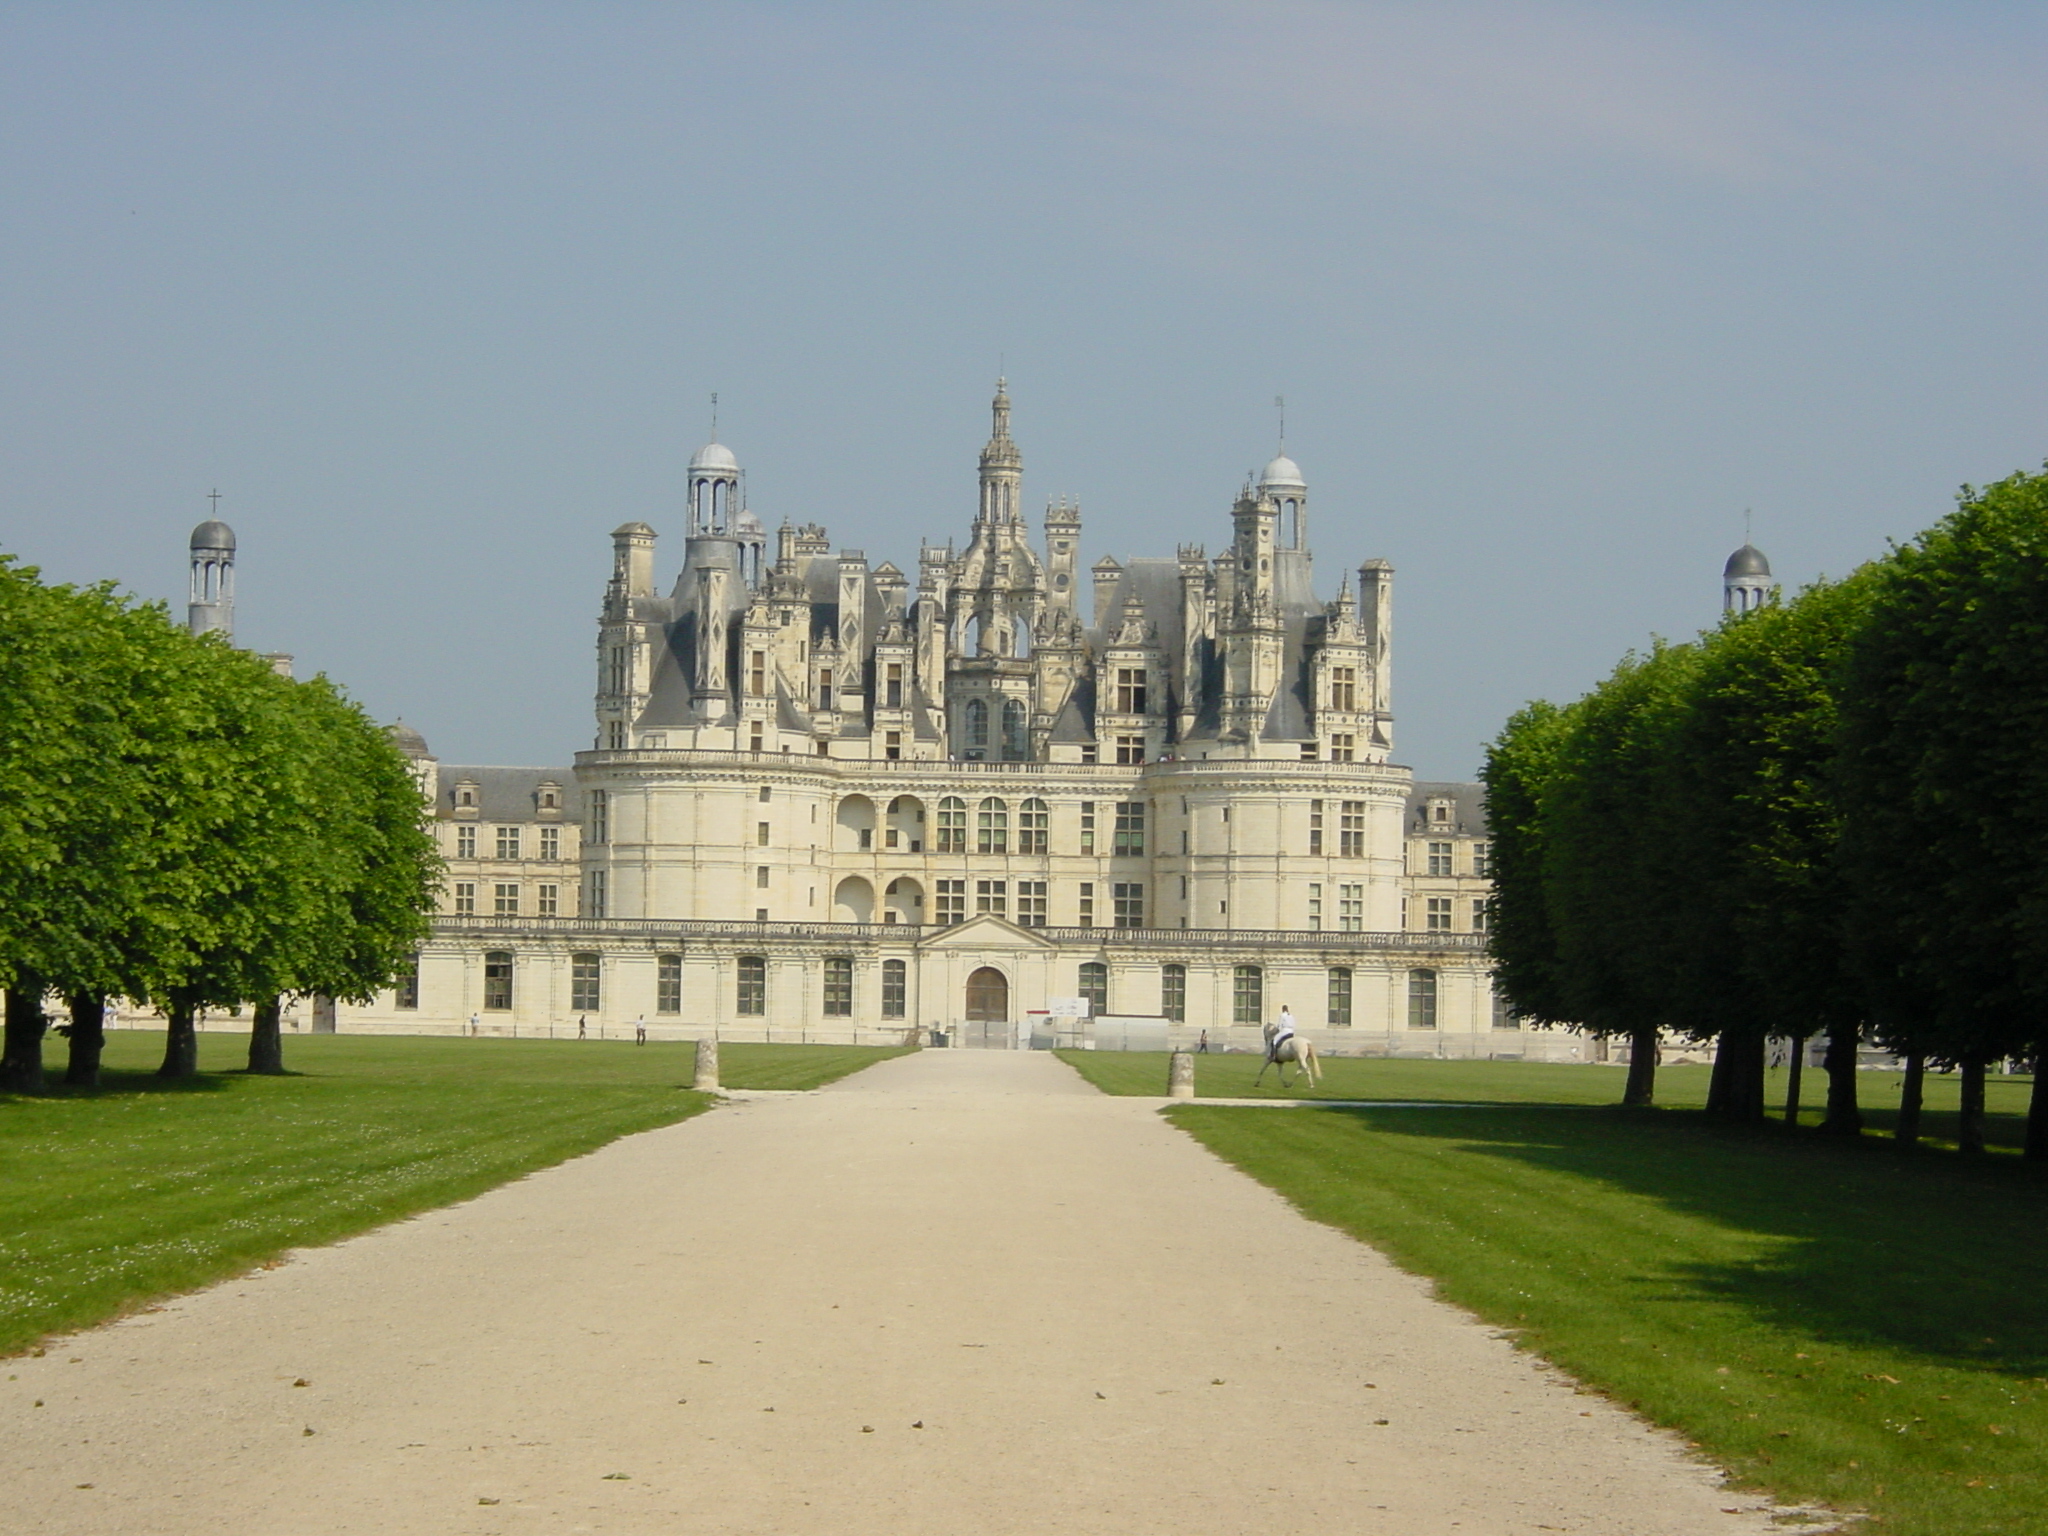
point(1520, 770)
point(1611, 879)
point(1763, 833)
point(1944, 774)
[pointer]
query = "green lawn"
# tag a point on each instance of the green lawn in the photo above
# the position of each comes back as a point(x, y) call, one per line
point(1843, 1323)
point(139, 1190)
point(1526, 1082)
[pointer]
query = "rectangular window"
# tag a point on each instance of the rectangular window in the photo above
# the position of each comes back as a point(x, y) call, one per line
point(992, 897)
point(668, 984)
point(498, 980)
point(1093, 984)
point(892, 746)
point(1087, 826)
point(547, 900)
point(407, 986)
point(1351, 829)
point(1351, 908)
point(1130, 690)
point(753, 993)
point(615, 735)
point(599, 901)
point(1315, 909)
point(551, 843)
point(1315, 827)
point(825, 691)
point(895, 991)
point(1088, 753)
point(1032, 821)
point(952, 826)
point(757, 674)
point(1482, 914)
point(465, 898)
point(1438, 917)
point(1422, 999)
point(1343, 748)
point(1340, 995)
point(1482, 860)
point(1440, 859)
point(1130, 751)
point(839, 987)
point(505, 900)
point(1503, 1015)
point(1344, 688)
point(892, 687)
point(615, 670)
point(1127, 903)
point(767, 791)
point(1248, 995)
point(465, 842)
point(760, 834)
point(1130, 829)
point(600, 816)
point(1308, 751)
point(952, 902)
point(760, 877)
point(1173, 992)
point(1087, 918)
point(508, 842)
point(584, 995)
point(1031, 903)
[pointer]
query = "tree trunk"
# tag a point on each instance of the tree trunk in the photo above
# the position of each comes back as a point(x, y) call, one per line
point(1970, 1122)
point(1844, 1116)
point(21, 1057)
point(181, 1043)
point(88, 1038)
point(1912, 1093)
point(2037, 1113)
point(266, 1043)
point(1794, 1069)
point(1720, 1085)
point(1642, 1067)
point(1736, 1091)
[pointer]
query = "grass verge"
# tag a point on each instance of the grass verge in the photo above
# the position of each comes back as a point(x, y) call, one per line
point(1143, 1073)
point(1833, 1322)
point(139, 1189)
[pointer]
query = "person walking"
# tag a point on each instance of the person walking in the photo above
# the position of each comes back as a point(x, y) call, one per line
point(1202, 1046)
point(582, 1026)
point(473, 1022)
point(640, 1030)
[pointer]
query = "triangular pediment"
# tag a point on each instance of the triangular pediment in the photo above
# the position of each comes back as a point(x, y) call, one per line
point(985, 932)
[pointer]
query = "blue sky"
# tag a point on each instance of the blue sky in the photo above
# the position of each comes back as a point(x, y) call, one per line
point(436, 295)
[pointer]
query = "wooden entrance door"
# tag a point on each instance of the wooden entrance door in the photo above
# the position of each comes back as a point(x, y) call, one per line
point(988, 996)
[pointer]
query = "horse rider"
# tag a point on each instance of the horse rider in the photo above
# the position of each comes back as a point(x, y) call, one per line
point(1282, 1031)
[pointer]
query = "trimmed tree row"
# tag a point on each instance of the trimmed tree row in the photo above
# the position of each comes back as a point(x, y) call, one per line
point(1826, 818)
point(180, 824)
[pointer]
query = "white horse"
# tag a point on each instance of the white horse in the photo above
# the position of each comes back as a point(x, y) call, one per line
point(1294, 1048)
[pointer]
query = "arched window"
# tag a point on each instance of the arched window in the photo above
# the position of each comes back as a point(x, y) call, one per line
point(1173, 992)
point(952, 825)
point(1094, 985)
point(1031, 827)
point(992, 828)
point(1016, 738)
point(1248, 995)
point(894, 989)
point(1422, 999)
point(977, 724)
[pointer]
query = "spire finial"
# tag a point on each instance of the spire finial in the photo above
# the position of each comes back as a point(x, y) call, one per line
point(714, 415)
point(1280, 405)
point(1748, 536)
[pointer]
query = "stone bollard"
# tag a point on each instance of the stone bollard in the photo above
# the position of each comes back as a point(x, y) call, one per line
point(1180, 1076)
point(707, 1066)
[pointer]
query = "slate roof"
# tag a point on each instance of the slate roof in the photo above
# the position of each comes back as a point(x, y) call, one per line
point(509, 794)
point(1468, 818)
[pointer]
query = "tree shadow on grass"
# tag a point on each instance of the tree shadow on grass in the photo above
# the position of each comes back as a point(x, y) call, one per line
point(1923, 1252)
point(118, 1083)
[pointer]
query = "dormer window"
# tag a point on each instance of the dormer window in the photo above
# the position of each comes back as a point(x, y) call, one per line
point(550, 798)
point(465, 797)
point(1440, 811)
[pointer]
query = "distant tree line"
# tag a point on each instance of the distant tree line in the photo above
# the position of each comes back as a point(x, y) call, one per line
point(180, 824)
point(1826, 818)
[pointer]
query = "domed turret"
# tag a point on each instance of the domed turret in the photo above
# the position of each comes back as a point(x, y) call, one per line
point(407, 740)
point(715, 456)
point(215, 535)
point(211, 607)
point(1281, 481)
point(1746, 583)
point(1282, 474)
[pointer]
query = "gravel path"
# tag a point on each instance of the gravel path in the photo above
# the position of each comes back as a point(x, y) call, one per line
point(959, 1292)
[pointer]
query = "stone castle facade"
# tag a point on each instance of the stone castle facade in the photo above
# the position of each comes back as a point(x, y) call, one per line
point(828, 798)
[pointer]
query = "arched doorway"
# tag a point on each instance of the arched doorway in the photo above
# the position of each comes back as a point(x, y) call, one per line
point(988, 996)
